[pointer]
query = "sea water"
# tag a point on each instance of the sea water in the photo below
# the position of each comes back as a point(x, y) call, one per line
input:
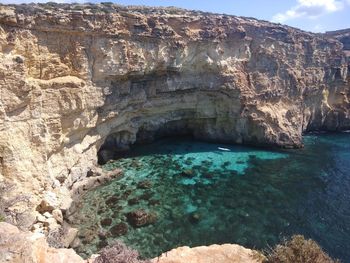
point(205, 193)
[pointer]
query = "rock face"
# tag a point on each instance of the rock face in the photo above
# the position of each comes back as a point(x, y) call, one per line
point(226, 253)
point(343, 36)
point(78, 80)
point(19, 247)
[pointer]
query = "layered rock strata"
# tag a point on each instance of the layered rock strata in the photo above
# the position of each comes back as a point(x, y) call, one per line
point(78, 80)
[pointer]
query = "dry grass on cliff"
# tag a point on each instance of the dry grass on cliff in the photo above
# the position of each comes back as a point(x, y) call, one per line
point(298, 250)
point(118, 253)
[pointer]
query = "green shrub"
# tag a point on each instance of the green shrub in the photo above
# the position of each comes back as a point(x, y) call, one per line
point(298, 250)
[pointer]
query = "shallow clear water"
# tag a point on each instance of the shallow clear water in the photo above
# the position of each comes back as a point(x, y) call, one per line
point(207, 193)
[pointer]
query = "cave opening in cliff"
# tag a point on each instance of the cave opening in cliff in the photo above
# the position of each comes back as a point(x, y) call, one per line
point(155, 92)
point(178, 191)
point(118, 144)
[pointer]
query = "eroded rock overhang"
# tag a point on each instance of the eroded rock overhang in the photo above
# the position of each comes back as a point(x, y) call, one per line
point(76, 78)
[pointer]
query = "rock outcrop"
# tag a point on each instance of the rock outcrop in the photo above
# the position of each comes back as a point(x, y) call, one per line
point(18, 247)
point(343, 36)
point(226, 253)
point(78, 80)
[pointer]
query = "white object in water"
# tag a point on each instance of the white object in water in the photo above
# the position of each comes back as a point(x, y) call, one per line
point(223, 149)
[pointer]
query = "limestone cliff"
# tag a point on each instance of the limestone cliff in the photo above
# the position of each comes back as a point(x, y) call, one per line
point(343, 36)
point(76, 79)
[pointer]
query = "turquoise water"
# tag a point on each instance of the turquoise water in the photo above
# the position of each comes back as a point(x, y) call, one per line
point(205, 193)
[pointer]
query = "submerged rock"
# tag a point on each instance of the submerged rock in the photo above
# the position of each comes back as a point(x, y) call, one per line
point(207, 163)
point(147, 195)
point(102, 234)
point(106, 222)
point(133, 201)
point(188, 162)
point(152, 218)
point(119, 229)
point(225, 164)
point(208, 175)
point(126, 194)
point(153, 202)
point(187, 173)
point(103, 243)
point(112, 200)
point(139, 218)
point(144, 184)
point(123, 187)
point(194, 218)
point(87, 236)
point(101, 210)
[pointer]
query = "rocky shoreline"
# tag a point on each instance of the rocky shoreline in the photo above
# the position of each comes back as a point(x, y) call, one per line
point(80, 81)
point(17, 247)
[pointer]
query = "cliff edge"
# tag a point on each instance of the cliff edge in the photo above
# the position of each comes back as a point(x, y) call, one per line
point(79, 81)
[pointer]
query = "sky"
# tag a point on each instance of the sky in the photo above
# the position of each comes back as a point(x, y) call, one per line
point(309, 15)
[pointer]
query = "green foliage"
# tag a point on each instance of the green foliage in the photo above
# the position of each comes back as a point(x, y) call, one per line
point(298, 250)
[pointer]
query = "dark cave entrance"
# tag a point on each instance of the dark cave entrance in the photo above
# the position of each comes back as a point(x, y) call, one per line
point(118, 144)
point(178, 128)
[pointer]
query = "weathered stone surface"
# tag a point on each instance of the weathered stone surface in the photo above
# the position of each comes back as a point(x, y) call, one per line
point(57, 214)
point(48, 203)
point(73, 83)
point(226, 253)
point(51, 224)
point(19, 247)
point(343, 36)
point(70, 233)
point(90, 182)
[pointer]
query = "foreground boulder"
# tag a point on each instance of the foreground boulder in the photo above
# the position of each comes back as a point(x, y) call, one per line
point(18, 247)
point(226, 253)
